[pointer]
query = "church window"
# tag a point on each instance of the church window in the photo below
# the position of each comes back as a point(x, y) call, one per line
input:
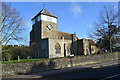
point(57, 48)
point(92, 49)
point(68, 49)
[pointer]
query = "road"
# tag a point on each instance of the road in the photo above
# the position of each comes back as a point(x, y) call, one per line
point(95, 73)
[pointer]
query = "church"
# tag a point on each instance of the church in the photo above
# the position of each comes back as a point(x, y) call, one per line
point(47, 42)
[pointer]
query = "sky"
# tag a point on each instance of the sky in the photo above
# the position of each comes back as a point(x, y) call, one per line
point(78, 17)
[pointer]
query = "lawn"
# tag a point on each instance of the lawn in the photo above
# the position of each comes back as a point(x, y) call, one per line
point(26, 60)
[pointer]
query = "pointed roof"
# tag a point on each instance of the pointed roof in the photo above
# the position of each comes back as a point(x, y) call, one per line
point(45, 12)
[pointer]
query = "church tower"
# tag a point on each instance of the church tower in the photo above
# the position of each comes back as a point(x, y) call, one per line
point(46, 22)
point(44, 25)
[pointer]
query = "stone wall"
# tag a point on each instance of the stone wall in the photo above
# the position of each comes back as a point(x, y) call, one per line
point(86, 47)
point(43, 65)
point(44, 49)
point(48, 33)
point(64, 44)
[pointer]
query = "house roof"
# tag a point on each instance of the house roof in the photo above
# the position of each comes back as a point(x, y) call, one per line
point(91, 42)
point(67, 36)
point(45, 12)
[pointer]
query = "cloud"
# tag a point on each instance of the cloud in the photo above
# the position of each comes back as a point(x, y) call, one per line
point(75, 9)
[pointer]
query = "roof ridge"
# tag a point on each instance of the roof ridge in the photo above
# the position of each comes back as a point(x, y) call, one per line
point(64, 32)
point(45, 12)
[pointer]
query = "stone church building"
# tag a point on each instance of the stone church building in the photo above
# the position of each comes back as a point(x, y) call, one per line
point(47, 42)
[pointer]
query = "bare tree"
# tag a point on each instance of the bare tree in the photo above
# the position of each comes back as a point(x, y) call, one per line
point(106, 28)
point(11, 24)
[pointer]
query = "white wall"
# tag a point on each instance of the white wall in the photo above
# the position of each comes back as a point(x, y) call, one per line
point(45, 18)
point(48, 18)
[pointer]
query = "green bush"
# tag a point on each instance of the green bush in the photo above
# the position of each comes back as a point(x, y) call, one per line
point(10, 52)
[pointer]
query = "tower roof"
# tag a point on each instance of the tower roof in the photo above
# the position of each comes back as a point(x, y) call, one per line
point(45, 12)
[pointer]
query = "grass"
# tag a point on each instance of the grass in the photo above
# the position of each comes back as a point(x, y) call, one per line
point(26, 60)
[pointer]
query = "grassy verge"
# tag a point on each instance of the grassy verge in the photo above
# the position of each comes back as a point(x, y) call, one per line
point(26, 60)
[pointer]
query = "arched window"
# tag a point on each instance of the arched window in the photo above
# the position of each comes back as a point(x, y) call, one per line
point(57, 48)
point(68, 49)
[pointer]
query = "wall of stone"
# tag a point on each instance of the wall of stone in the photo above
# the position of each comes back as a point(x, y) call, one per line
point(48, 33)
point(44, 48)
point(86, 47)
point(43, 65)
point(63, 44)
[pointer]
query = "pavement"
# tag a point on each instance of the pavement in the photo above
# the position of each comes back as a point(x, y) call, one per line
point(40, 75)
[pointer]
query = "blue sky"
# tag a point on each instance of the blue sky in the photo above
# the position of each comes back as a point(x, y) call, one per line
point(78, 17)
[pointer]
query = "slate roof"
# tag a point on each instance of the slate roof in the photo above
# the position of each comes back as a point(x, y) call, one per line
point(45, 12)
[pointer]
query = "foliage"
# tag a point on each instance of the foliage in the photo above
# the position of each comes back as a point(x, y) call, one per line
point(7, 52)
point(106, 28)
point(10, 52)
